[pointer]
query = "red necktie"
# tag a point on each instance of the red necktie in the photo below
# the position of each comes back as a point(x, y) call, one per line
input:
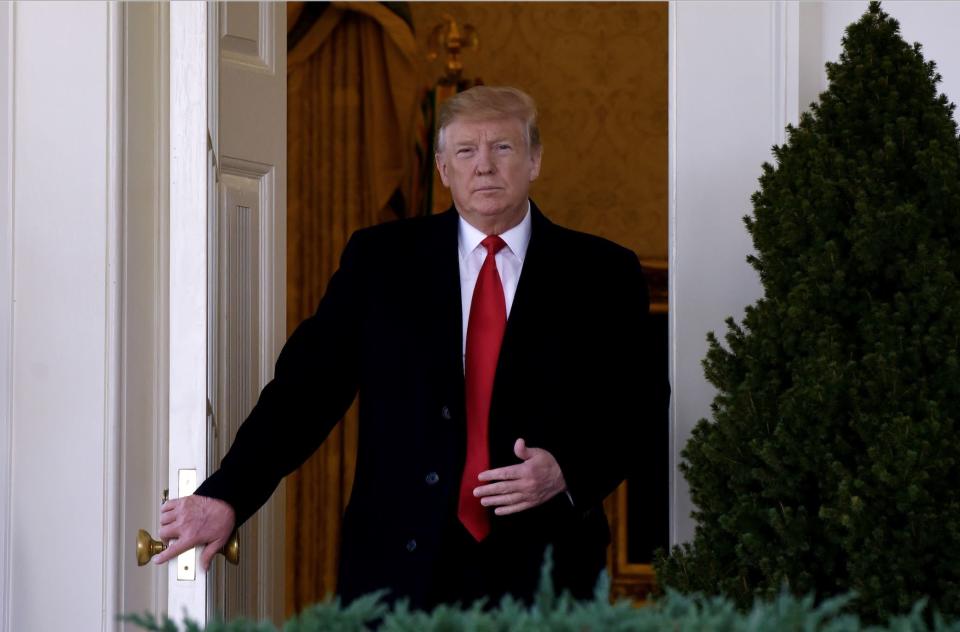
point(488, 319)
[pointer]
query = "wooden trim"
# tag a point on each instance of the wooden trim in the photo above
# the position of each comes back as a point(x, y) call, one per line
point(627, 580)
point(656, 273)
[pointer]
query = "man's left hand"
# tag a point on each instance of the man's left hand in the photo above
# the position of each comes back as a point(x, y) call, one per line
point(522, 486)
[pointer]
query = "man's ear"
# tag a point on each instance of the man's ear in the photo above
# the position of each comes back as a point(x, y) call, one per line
point(536, 154)
point(441, 168)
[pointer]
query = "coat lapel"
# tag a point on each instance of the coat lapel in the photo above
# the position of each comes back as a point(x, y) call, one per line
point(536, 268)
point(447, 314)
point(518, 351)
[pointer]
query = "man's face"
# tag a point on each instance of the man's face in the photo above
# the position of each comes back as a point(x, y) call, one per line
point(488, 169)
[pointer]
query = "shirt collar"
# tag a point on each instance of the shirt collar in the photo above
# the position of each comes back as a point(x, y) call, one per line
point(517, 238)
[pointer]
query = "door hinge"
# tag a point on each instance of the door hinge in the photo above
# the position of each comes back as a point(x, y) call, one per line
point(212, 418)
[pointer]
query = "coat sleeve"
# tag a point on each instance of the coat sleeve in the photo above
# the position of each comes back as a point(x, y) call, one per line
point(627, 393)
point(315, 381)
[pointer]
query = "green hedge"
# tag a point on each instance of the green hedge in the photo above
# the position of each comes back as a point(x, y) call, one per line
point(674, 612)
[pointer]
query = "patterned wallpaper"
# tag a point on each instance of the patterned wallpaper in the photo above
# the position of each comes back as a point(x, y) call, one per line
point(598, 72)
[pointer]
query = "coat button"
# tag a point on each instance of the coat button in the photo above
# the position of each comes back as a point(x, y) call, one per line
point(445, 413)
point(432, 478)
point(411, 545)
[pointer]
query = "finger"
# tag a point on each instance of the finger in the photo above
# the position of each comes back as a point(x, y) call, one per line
point(509, 473)
point(169, 532)
point(176, 548)
point(170, 505)
point(496, 488)
point(512, 509)
point(520, 449)
point(167, 517)
point(502, 499)
point(209, 551)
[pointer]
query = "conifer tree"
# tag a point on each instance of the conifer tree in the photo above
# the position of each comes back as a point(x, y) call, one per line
point(833, 459)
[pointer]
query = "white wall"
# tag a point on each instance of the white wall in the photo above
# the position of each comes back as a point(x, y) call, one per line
point(63, 250)
point(739, 72)
point(727, 104)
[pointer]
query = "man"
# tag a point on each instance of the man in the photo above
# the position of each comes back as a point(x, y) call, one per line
point(502, 365)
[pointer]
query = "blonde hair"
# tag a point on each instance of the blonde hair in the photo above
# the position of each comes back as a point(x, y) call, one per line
point(490, 102)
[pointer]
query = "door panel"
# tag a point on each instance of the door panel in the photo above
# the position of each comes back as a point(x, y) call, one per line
point(248, 273)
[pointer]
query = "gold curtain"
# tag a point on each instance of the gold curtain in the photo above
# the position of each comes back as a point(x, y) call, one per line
point(352, 99)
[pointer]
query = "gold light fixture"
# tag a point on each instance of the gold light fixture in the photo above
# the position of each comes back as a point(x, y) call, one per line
point(452, 39)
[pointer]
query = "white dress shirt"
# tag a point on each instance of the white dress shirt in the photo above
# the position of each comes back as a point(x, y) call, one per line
point(509, 263)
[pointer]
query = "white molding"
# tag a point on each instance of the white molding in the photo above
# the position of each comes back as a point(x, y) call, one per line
point(785, 66)
point(271, 335)
point(7, 147)
point(270, 567)
point(113, 322)
point(672, 255)
point(188, 272)
point(161, 279)
point(245, 168)
point(143, 462)
point(812, 79)
point(265, 59)
point(214, 14)
point(270, 242)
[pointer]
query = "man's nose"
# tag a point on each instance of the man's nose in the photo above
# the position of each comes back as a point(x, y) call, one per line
point(485, 164)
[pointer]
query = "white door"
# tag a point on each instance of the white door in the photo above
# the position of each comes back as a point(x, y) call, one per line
point(227, 276)
point(248, 272)
point(190, 161)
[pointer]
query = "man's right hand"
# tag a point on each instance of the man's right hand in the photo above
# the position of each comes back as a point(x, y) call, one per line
point(193, 521)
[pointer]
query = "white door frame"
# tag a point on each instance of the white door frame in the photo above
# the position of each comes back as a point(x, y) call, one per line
point(60, 288)
point(715, 153)
point(6, 305)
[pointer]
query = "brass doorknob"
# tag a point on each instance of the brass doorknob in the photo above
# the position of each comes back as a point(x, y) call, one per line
point(147, 547)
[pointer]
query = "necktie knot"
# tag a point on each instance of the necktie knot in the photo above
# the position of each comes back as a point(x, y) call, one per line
point(493, 244)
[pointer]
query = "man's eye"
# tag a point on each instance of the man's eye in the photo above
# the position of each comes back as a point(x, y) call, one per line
point(503, 147)
point(465, 151)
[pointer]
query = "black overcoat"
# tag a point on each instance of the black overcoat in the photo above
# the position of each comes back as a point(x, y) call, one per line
point(574, 377)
